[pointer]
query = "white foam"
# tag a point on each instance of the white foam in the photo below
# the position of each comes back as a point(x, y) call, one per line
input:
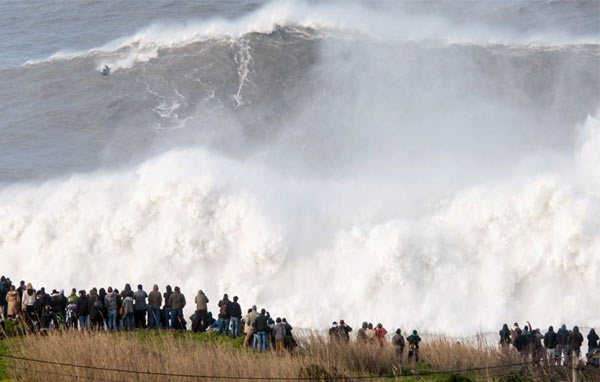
point(513, 250)
point(350, 17)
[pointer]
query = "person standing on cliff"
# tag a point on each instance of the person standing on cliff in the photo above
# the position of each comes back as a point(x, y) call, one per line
point(413, 346)
point(140, 307)
point(235, 312)
point(398, 342)
point(224, 315)
point(167, 306)
point(155, 302)
point(110, 302)
point(177, 304)
point(505, 337)
point(249, 322)
point(201, 309)
point(550, 343)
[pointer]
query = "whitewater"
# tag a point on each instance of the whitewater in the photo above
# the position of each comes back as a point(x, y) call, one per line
point(429, 165)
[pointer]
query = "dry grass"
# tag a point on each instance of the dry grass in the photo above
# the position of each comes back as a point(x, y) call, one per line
point(187, 353)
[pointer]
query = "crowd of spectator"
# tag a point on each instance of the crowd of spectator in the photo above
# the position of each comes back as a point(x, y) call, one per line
point(553, 347)
point(113, 310)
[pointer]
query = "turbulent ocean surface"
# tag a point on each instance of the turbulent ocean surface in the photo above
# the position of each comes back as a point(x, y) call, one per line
point(426, 164)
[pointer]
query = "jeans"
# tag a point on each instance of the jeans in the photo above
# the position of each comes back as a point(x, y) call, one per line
point(177, 314)
point(155, 317)
point(83, 322)
point(260, 341)
point(168, 316)
point(128, 320)
point(223, 325)
point(112, 320)
point(563, 351)
point(235, 327)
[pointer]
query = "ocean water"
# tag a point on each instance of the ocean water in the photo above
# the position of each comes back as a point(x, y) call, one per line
point(426, 164)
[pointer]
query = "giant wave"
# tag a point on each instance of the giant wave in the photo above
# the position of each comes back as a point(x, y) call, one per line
point(322, 160)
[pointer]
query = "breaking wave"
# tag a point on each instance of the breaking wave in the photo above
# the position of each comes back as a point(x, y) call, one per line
point(324, 161)
point(354, 19)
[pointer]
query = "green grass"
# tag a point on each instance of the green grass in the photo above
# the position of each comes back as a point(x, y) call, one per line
point(200, 338)
point(11, 330)
point(4, 363)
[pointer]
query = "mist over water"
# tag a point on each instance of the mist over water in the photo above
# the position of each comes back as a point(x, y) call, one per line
point(422, 164)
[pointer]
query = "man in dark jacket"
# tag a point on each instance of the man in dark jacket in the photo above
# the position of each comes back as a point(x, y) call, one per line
point(592, 338)
point(504, 336)
point(83, 310)
point(96, 310)
point(344, 331)
point(21, 289)
point(167, 306)
point(261, 328)
point(413, 346)
point(575, 341)
point(520, 343)
point(235, 314)
point(224, 315)
point(550, 342)
point(139, 308)
point(48, 318)
point(333, 332)
point(3, 292)
point(563, 344)
point(45, 297)
point(290, 342)
point(58, 305)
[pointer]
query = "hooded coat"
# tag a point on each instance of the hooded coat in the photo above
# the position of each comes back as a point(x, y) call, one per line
point(110, 301)
point(576, 339)
point(413, 341)
point(177, 300)
point(279, 331)
point(167, 297)
point(128, 305)
point(505, 335)
point(563, 336)
point(550, 339)
point(12, 298)
point(201, 301)
point(592, 339)
point(155, 299)
point(83, 308)
point(398, 341)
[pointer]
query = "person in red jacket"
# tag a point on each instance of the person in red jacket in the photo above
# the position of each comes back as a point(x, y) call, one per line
point(380, 332)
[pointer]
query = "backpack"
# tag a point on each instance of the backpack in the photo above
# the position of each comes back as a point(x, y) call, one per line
point(400, 341)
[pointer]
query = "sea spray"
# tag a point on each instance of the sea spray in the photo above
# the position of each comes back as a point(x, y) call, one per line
point(324, 161)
